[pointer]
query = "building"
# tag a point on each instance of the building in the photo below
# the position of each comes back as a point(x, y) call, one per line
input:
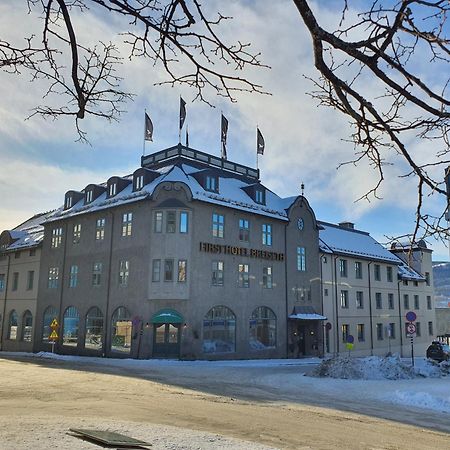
point(191, 256)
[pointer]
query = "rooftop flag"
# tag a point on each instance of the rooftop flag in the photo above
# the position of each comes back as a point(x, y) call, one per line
point(260, 144)
point(223, 136)
point(182, 112)
point(187, 137)
point(148, 135)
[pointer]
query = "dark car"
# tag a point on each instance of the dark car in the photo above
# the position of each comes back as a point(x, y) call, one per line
point(438, 351)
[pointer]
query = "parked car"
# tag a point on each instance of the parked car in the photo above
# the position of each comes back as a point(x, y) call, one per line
point(438, 351)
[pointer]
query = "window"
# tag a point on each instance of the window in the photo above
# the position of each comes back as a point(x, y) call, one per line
point(76, 233)
point(171, 222)
point(344, 299)
point(89, 196)
point(168, 270)
point(358, 270)
point(183, 222)
point(430, 328)
point(97, 270)
point(27, 326)
point(182, 270)
point(127, 221)
point(53, 276)
point(12, 326)
point(71, 322)
point(100, 229)
point(377, 272)
point(301, 259)
point(217, 225)
point(30, 280)
point(267, 277)
point(244, 230)
point(2, 282)
point(50, 314)
point(139, 183)
point(389, 274)
point(406, 301)
point(428, 300)
point(211, 183)
point(391, 301)
point(121, 328)
point(360, 299)
point(93, 338)
point(69, 202)
point(378, 300)
point(325, 292)
point(112, 189)
point(15, 281)
point(158, 224)
point(32, 252)
point(73, 277)
point(156, 270)
point(405, 282)
point(266, 234)
point(418, 331)
point(263, 329)
point(244, 279)
point(124, 272)
point(345, 331)
point(217, 273)
point(380, 331)
point(343, 268)
point(391, 330)
point(259, 196)
point(416, 283)
point(360, 332)
point(427, 278)
point(219, 330)
point(56, 237)
point(416, 302)
point(16, 255)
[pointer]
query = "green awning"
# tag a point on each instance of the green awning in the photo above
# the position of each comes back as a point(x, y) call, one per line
point(167, 316)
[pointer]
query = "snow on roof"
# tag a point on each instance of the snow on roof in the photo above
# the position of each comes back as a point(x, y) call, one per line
point(347, 241)
point(409, 273)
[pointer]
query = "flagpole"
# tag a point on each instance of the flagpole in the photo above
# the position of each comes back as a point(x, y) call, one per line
point(179, 128)
point(256, 146)
point(143, 144)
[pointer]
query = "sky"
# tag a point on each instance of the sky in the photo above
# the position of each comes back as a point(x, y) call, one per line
point(40, 159)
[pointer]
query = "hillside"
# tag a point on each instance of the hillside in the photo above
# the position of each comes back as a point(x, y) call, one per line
point(441, 273)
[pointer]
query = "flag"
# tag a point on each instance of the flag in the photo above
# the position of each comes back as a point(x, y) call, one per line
point(223, 136)
point(148, 136)
point(187, 137)
point(182, 112)
point(260, 144)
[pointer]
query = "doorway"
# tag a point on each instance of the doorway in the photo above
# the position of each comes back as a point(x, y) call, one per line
point(166, 340)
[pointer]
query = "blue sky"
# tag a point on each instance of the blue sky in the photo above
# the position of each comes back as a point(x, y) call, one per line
point(40, 159)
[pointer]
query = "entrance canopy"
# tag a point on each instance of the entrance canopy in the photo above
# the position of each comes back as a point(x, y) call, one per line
point(305, 313)
point(167, 316)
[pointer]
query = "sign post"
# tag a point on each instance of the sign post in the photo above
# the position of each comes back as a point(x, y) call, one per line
point(54, 334)
point(349, 345)
point(411, 330)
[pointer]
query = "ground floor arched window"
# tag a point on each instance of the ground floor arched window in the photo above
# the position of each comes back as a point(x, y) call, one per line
point(219, 330)
point(71, 321)
point(27, 326)
point(12, 325)
point(263, 329)
point(121, 329)
point(50, 314)
point(94, 329)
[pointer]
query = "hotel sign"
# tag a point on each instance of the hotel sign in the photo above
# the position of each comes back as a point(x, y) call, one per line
point(240, 251)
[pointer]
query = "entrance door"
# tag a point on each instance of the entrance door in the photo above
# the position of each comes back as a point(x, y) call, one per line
point(166, 340)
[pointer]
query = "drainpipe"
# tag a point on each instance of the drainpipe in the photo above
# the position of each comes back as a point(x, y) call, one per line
point(336, 304)
point(370, 309)
point(321, 299)
point(63, 270)
point(6, 296)
point(286, 290)
point(400, 318)
point(108, 288)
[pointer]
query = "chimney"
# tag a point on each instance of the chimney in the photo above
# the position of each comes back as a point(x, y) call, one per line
point(349, 225)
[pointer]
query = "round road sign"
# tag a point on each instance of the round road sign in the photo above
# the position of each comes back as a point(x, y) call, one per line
point(350, 339)
point(411, 328)
point(411, 316)
point(328, 326)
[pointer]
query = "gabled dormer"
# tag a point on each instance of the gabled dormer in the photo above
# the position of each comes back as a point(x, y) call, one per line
point(116, 185)
point(256, 192)
point(72, 198)
point(93, 191)
point(208, 178)
point(143, 176)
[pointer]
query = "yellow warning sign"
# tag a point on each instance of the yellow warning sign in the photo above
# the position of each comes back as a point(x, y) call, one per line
point(53, 336)
point(54, 324)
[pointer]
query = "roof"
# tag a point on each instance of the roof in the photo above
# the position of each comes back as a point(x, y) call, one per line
point(408, 273)
point(347, 241)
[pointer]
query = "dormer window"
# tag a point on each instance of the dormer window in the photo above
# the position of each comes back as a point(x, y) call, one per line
point(139, 183)
point(112, 189)
point(69, 202)
point(211, 183)
point(88, 196)
point(259, 196)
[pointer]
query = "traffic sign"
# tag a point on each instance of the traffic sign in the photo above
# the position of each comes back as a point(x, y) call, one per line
point(349, 346)
point(350, 339)
point(54, 324)
point(411, 316)
point(53, 336)
point(328, 326)
point(411, 328)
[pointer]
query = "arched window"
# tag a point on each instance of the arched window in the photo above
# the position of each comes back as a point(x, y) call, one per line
point(71, 322)
point(12, 325)
point(219, 330)
point(49, 314)
point(121, 328)
point(263, 329)
point(94, 329)
point(27, 326)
